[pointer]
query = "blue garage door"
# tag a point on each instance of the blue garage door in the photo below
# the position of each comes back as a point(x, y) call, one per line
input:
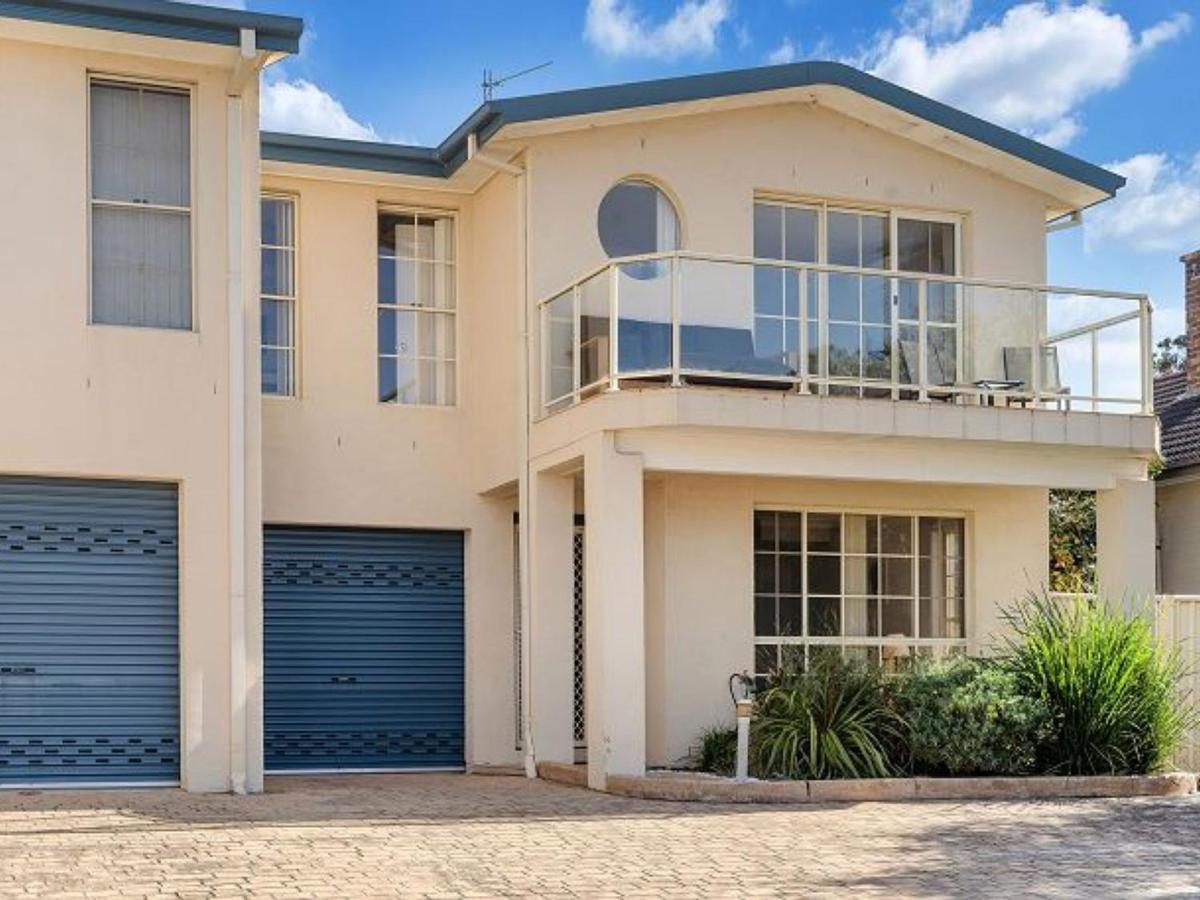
point(363, 649)
point(89, 632)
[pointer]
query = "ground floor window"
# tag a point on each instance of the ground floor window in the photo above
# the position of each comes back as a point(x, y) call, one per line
point(881, 587)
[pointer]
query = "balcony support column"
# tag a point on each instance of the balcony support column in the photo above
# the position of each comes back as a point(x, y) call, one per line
point(614, 613)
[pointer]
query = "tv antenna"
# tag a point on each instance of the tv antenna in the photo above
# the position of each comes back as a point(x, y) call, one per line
point(491, 82)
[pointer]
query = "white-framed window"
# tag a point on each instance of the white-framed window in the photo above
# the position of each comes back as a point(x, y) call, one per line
point(417, 308)
point(636, 217)
point(857, 327)
point(278, 294)
point(140, 177)
point(879, 586)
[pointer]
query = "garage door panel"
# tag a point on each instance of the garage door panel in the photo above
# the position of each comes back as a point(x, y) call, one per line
point(363, 648)
point(89, 660)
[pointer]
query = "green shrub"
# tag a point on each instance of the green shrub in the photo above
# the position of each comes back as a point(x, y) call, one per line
point(832, 721)
point(718, 750)
point(1111, 690)
point(968, 717)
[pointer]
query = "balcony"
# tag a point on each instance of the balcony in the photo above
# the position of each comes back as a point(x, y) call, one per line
point(688, 318)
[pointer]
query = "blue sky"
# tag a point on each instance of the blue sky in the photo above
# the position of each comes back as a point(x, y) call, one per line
point(1113, 82)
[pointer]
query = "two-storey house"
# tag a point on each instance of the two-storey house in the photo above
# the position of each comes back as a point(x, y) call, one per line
point(333, 455)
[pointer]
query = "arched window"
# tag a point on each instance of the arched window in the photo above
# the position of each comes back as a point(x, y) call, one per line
point(636, 217)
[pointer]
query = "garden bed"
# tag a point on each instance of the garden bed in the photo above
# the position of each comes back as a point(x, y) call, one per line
point(698, 787)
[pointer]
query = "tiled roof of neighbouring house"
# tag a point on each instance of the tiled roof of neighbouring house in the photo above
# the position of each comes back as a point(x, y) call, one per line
point(1178, 409)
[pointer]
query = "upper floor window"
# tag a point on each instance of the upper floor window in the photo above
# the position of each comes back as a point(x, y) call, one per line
point(278, 249)
point(636, 217)
point(857, 327)
point(141, 218)
point(417, 309)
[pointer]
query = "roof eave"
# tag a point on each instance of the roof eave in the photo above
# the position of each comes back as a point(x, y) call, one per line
point(157, 18)
point(393, 159)
point(497, 114)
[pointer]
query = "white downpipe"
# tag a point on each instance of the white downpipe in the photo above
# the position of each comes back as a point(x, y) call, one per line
point(237, 459)
point(521, 174)
point(234, 203)
point(523, 505)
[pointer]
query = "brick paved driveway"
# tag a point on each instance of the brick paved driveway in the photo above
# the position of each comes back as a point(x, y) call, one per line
point(475, 836)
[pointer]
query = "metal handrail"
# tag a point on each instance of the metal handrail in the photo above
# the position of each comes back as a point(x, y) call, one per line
point(965, 281)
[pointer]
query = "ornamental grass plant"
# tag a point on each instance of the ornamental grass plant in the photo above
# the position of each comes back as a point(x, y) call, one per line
point(1111, 689)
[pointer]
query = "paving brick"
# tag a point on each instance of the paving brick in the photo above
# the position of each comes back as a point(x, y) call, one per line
point(487, 836)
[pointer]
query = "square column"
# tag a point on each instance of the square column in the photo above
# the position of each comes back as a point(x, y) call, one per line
point(550, 632)
point(1125, 540)
point(614, 613)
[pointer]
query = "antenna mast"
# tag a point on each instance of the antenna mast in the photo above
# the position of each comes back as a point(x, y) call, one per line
point(491, 82)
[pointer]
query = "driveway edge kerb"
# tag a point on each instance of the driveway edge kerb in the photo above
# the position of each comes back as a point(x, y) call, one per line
point(700, 788)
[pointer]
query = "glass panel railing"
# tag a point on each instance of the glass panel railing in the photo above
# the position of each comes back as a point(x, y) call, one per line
point(1093, 352)
point(739, 320)
point(595, 310)
point(836, 331)
point(644, 317)
point(558, 338)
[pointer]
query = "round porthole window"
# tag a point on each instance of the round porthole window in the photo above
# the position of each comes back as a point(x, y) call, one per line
point(635, 218)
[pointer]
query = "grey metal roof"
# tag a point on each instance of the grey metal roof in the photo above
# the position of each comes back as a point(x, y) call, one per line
point(493, 115)
point(163, 18)
point(369, 155)
point(1178, 409)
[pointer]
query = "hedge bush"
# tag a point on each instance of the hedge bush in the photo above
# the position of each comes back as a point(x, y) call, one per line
point(1078, 688)
point(968, 717)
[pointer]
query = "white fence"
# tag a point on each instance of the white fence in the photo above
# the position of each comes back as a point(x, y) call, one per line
point(1177, 624)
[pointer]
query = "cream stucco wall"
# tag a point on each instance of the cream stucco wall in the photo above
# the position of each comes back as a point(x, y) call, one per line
point(126, 403)
point(714, 165)
point(699, 618)
point(95, 401)
point(334, 455)
point(1179, 535)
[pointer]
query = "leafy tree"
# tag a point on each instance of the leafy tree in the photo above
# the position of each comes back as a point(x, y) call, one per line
point(1170, 355)
point(1072, 541)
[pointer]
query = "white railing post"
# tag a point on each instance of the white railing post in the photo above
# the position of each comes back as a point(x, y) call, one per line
point(1095, 341)
point(894, 333)
point(823, 334)
point(1147, 352)
point(1035, 360)
point(576, 343)
point(923, 339)
point(802, 337)
point(614, 379)
point(676, 319)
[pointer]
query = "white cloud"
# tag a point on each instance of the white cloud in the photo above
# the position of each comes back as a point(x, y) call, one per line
point(1157, 210)
point(1029, 70)
point(936, 17)
point(300, 107)
point(1166, 30)
point(617, 29)
point(784, 53)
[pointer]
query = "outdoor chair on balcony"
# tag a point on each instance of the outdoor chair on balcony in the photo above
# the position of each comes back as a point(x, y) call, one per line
point(1018, 368)
point(941, 371)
